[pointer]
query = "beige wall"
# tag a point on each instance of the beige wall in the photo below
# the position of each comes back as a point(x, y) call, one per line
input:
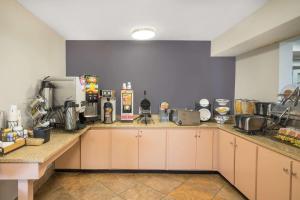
point(29, 50)
point(277, 20)
point(257, 74)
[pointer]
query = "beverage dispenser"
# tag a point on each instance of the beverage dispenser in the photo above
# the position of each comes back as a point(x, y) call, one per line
point(92, 98)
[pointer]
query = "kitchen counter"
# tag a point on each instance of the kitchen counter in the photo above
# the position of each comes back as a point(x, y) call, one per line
point(284, 149)
point(61, 138)
point(39, 154)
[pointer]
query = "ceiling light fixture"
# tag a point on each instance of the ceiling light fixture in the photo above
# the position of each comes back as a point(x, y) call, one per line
point(145, 33)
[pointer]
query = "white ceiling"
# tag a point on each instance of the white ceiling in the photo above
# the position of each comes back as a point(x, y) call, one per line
point(114, 19)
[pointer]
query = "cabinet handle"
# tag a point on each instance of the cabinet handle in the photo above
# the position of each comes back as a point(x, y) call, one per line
point(294, 174)
point(285, 170)
point(195, 136)
point(231, 143)
point(199, 136)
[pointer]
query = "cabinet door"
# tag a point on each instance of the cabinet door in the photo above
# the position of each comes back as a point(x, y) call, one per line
point(273, 175)
point(296, 181)
point(70, 159)
point(204, 149)
point(152, 149)
point(226, 155)
point(181, 149)
point(96, 149)
point(124, 148)
point(216, 149)
point(245, 167)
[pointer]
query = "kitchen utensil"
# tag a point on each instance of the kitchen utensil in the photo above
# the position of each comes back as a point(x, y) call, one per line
point(92, 98)
point(42, 132)
point(105, 94)
point(184, 117)
point(12, 113)
point(36, 102)
point(204, 107)
point(70, 116)
point(108, 112)
point(221, 119)
point(204, 102)
point(254, 123)
point(172, 116)
point(222, 102)
point(37, 113)
point(205, 114)
point(250, 123)
point(248, 106)
point(145, 110)
point(46, 92)
point(12, 117)
point(238, 106)
point(263, 108)
point(222, 110)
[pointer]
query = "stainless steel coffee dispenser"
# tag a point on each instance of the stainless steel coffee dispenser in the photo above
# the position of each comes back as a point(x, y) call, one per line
point(70, 116)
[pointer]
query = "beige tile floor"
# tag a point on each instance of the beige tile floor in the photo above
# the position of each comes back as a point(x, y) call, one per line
point(136, 186)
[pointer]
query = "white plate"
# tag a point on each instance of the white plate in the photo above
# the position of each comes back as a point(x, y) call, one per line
point(205, 114)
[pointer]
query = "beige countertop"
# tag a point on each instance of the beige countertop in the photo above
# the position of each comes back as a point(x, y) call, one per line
point(61, 138)
point(39, 154)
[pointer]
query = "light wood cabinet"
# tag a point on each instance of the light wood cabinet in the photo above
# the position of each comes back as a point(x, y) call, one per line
point(152, 149)
point(124, 153)
point(204, 156)
point(226, 155)
point(245, 167)
point(215, 150)
point(295, 181)
point(96, 149)
point(181, 148)
point(273, 176)
point(70, 159)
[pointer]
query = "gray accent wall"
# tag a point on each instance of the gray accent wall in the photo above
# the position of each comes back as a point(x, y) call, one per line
point(180, 72)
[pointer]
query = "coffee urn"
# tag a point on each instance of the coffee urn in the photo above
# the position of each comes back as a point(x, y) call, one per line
point(70, 116)
point(46, 92)
point(108, 112)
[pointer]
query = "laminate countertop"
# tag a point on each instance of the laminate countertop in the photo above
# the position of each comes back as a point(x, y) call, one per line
point(60, 138)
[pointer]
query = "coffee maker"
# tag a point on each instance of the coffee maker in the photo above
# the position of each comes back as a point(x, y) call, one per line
point(92, 98)
point(106, 95)
point(68, 89)
point(46, 91)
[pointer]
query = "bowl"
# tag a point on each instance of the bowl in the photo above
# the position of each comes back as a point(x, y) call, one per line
point(222, 110)
point(221, 119)
point(222, 102)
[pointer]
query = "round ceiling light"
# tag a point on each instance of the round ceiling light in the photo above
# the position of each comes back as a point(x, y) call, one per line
point(143, 33)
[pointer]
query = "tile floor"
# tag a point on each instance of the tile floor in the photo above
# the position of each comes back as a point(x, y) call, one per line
point(136, 186)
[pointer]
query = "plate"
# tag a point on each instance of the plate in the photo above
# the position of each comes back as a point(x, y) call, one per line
point(205, 114)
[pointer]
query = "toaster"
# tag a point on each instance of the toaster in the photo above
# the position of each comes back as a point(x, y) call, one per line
point(250, 123)
point(183, 117)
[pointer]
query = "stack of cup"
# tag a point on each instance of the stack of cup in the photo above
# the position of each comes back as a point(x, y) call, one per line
point(12, 116)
